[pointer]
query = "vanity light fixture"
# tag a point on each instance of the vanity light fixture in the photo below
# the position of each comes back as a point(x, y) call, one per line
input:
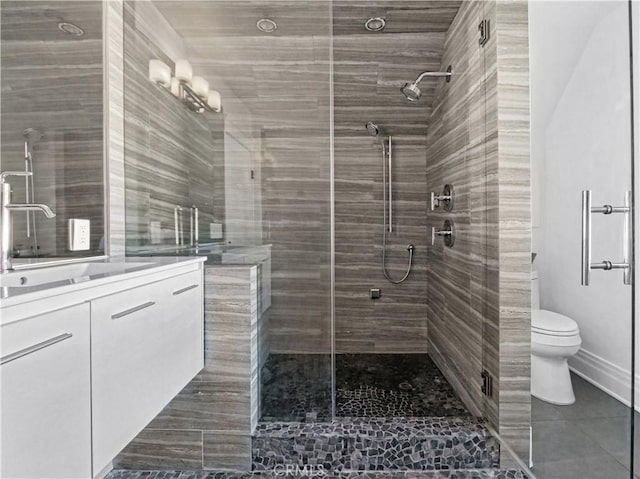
point(193, 91)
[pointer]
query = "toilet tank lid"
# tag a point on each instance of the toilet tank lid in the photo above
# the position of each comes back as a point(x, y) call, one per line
point(548, 322)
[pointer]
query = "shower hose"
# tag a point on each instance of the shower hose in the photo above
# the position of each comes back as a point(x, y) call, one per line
point(410, 247)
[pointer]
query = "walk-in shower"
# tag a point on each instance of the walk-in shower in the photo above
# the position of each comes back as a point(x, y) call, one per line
point(411, 89)
point(387, 162)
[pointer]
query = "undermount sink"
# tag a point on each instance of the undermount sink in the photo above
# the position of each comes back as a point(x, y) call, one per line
point(76, 271)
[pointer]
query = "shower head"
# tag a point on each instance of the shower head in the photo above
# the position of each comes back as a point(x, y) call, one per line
point(411, 89)
point(372, 129)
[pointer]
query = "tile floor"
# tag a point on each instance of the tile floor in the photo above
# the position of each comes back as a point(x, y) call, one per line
point(297, 387)
point(587, 440)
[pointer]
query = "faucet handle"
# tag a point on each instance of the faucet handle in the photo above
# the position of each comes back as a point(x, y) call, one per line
point(13, 173)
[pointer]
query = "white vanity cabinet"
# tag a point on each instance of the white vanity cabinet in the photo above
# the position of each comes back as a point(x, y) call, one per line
point(45, 413)
point(146, 345)
point(87, 364)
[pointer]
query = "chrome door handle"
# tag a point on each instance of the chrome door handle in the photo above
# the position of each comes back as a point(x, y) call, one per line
point(627, 245)
point(34, 348)
point(135, 309)
point(184, 290)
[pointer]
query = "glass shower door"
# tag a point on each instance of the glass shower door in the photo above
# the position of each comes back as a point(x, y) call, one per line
point(582, 185)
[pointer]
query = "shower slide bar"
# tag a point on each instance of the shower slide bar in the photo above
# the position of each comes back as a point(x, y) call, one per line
point(627, 243)
point(390, 189)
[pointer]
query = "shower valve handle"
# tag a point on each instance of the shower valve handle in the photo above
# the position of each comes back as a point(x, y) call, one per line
point(444, 199)
point(447, 232)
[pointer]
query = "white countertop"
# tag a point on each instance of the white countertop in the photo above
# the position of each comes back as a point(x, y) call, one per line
point(11, 296)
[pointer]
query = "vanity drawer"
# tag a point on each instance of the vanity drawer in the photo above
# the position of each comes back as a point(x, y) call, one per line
point(147, 344)
point(45, 384)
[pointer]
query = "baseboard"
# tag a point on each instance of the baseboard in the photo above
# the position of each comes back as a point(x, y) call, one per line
point(609, 377)
point(107, 469)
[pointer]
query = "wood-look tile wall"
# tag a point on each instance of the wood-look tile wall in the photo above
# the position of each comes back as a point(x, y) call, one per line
point(511, 121)
point(397, 321)
point(296, 220)
point(455, 155)
point(369, 70)
point(479, 291)
point(53, 82)
point(208, 425)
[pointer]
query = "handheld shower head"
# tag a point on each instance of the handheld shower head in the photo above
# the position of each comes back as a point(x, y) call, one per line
point(32, 135)
point(372, 128)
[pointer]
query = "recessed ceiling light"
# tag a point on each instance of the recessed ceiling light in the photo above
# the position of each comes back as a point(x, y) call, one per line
point(375, 24)
point(266, 25)
point(71, 29)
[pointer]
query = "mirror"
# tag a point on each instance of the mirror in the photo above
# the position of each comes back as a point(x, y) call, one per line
point(51, 57)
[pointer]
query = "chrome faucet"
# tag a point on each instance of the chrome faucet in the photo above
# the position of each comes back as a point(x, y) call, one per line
point(7, 207)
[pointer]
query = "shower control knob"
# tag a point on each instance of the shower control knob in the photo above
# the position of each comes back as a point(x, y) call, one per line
point(447, 232)
point(445, 199)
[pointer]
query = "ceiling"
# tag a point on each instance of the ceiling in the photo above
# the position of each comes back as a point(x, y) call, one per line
point(284, 77)
point(38, 20)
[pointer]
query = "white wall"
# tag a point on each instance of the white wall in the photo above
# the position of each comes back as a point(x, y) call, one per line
point(581, 140)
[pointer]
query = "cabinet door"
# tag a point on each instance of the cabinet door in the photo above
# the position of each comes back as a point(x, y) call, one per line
point(146, 346)
point(45, 411)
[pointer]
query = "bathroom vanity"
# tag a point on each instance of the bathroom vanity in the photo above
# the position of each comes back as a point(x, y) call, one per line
point(91, 352)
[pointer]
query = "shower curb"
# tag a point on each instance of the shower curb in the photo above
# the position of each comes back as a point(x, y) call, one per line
point(462, 474)
point(376, 444)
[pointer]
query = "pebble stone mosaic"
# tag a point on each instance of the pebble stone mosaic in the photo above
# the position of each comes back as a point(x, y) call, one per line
point(464, 474)
point(297, 387)
point(370, 444)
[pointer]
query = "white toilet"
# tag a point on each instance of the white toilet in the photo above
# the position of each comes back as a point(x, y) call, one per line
point(554, 339)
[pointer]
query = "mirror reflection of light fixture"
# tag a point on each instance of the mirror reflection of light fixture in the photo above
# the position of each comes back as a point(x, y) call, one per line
point(200, 86)
point(213, 100)
point(160, 72)
point(191, 90)
point(184, 71)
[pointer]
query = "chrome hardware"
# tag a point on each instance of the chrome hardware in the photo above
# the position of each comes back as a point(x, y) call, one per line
point(6, 207)
point(135, 309)
point(184, 290)
point(448, 232)
point(390, 190)
point(484, 30)
point(196, 226)
point(34, 348)
point(192, 100)
point(487, 383)
point(178, 225)
point(627, 246)
point(446, 199)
